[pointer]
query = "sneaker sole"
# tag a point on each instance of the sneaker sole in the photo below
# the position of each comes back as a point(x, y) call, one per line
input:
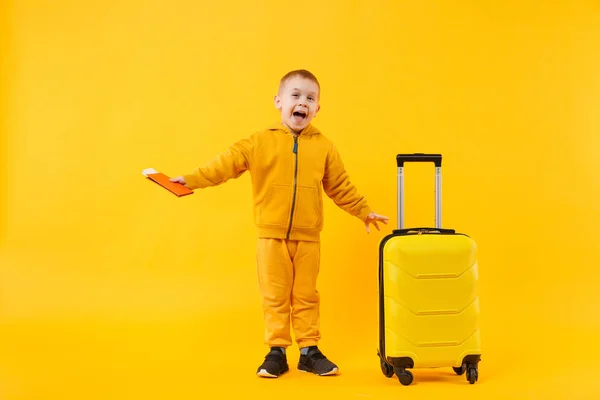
point(265, 374)
point(304, 369)
point(332, 372)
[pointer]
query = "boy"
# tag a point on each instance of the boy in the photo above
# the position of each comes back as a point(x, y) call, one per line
point(289, 162)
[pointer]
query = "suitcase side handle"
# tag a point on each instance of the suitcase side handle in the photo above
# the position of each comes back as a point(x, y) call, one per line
point(436, 159)
point(419, 157)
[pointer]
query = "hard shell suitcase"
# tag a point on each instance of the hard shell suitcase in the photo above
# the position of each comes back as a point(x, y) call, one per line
point(428, 296)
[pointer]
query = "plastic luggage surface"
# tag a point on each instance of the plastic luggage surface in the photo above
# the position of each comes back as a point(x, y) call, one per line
point(429, 301)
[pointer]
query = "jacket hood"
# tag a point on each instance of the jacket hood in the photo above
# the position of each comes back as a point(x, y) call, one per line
point(308, 131)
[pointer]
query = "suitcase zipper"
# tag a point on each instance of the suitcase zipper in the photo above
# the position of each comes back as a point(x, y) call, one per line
point(425, 231)
point(295, 151)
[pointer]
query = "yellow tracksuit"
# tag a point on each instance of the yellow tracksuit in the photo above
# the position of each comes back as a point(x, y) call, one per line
point(287, 175)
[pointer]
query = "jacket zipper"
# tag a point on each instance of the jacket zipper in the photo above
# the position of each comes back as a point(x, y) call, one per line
point(295, 151)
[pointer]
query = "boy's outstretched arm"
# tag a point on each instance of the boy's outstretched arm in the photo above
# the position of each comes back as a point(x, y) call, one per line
point(337, 185)
point(231, 163)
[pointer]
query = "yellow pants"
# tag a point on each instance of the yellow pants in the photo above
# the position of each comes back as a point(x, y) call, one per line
point(287, 279)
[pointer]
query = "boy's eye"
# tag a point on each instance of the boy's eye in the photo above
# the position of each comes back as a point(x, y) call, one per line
point(295, 95)
point(311, 98)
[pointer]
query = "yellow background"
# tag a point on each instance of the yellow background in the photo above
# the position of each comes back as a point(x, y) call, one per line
point(112, 288)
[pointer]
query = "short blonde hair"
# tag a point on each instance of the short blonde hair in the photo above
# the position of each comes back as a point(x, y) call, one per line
point(301, 73)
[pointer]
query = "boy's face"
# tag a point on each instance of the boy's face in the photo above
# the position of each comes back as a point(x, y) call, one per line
point(298, 102)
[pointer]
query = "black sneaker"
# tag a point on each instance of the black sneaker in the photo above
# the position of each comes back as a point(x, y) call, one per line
point(274, 365)
point(316, 362)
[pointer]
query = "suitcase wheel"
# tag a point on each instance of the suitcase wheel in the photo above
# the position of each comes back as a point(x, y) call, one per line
point(472, 374)
point(387, 369)
point(405, 377)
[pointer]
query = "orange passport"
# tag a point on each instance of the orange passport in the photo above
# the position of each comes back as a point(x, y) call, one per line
point(176, 188)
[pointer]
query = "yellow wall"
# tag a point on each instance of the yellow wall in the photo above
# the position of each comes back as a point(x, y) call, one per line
point(94, 92)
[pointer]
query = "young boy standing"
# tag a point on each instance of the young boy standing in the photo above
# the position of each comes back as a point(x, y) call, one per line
point(289, 162)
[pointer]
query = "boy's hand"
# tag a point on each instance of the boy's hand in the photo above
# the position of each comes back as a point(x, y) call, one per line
point(373, 219)
point(178, 179)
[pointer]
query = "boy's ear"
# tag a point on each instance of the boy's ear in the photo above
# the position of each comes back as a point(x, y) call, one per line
point(277, 101)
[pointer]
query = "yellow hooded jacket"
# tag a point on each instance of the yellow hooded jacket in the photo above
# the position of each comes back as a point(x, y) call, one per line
point(287, 174)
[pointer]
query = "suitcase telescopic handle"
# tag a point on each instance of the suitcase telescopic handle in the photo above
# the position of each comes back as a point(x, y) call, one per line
point(436, 159)
point(419, 157)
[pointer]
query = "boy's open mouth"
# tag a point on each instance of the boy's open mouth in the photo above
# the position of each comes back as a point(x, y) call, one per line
point(299, 116)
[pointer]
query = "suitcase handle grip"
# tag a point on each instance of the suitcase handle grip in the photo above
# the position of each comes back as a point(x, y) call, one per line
point(424, 229)
point(419, 157)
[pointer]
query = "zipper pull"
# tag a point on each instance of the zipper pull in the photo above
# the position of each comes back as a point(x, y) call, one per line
point(295, 150)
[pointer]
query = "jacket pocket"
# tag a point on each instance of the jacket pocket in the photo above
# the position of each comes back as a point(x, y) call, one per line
point(307, 212)
point(275, 209)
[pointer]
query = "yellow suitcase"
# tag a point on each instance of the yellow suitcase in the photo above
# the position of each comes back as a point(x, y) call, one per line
point(428, 297)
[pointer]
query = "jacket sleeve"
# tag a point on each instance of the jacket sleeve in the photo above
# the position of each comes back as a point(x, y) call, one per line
point(337, 185)
point(231, 163)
